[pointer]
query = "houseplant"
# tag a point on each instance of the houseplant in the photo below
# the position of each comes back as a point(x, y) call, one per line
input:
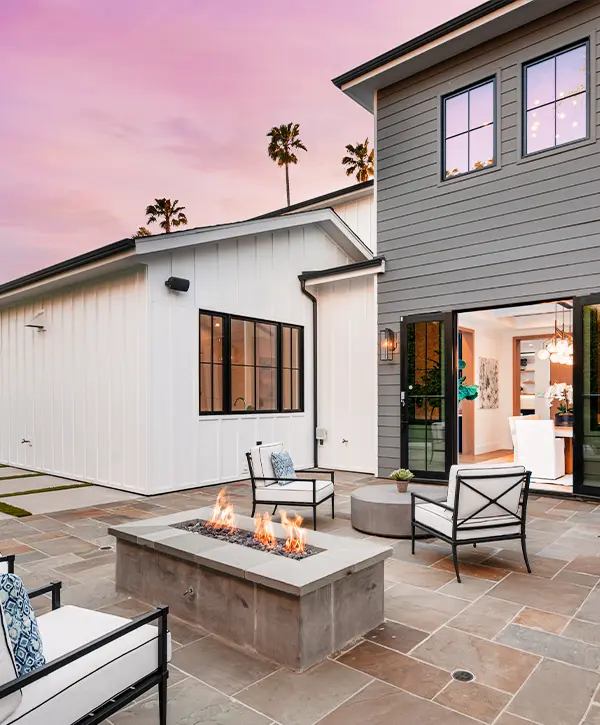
point(563, 393)
point(402, 477)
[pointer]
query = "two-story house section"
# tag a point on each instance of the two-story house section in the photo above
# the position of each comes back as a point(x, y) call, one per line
point(488, 213)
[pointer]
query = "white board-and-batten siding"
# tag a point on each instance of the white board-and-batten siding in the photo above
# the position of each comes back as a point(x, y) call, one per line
point(359, 215)
point(254, 277)
point(77, 390)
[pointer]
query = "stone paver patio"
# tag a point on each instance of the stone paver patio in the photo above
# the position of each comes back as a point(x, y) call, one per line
point(533, 642)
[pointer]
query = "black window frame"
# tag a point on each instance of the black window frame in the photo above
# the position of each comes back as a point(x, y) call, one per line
point(226, 392)
point(584, 43)
point(448, 96)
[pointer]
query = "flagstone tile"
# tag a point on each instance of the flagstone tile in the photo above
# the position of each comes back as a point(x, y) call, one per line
point(571, 651)
point(547, 594)
point(486, 617)
point(420, 608)
point(396, 669)
point(543, 697)
point(302, 699)
point(396, 636)
point(493, 664)
point(382, 704)
point(538, 619)
point(474, 699)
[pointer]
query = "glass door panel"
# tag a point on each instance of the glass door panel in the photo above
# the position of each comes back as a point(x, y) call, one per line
point(427, 430)
point(587, 396)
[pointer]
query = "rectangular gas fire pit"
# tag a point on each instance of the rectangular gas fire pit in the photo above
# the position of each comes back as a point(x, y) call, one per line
point(294, 612)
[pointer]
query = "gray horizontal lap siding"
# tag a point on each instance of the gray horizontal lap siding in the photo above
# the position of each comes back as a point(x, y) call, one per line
point(527, 230)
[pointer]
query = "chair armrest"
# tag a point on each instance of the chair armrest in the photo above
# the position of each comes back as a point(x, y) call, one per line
point(441, 504)
point(10, 560)
point(259, 478)
point(329, 473)
point(52, 588)
point(159, 613)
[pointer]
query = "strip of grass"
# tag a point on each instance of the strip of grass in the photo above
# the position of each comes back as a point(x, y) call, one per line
point(24, 475)
point(46, 490)
point(6, 508)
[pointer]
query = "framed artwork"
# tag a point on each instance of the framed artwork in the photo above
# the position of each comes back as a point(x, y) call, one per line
point(488, 383)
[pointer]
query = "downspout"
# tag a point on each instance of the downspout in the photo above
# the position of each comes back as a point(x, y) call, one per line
point(313, 299)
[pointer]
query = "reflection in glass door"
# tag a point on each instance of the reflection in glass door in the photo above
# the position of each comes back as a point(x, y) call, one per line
point(428, 405)
point(586, 385)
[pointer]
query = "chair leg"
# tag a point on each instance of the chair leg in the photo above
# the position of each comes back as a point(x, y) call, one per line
point(333, 507)
point(275, 509)
point(412, 543)
point(314, 518)
point(162, 702)
point(455, 559)
point(253, 508)
point(523, 546)
point(474, 546)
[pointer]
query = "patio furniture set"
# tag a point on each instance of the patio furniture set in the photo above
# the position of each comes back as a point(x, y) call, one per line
point(94, 663)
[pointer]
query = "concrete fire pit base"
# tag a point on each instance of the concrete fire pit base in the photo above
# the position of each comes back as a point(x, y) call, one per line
point(294, 613)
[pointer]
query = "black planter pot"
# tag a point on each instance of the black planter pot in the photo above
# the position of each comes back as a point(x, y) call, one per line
point(563, 420)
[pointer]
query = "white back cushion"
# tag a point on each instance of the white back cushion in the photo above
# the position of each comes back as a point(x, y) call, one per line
point(481, 482)
point(8, 672)
point(261, 461)
point(513, 427)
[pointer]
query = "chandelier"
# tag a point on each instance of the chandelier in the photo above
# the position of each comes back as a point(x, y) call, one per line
point(559, 347)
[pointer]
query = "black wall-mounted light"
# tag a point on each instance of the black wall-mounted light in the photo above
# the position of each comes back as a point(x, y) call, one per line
point(387, 344)
point(178, 284)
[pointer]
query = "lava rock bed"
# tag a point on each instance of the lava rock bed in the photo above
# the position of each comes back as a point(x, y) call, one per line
point(244, 538)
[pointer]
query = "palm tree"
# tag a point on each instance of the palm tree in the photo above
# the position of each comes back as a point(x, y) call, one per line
point(173, 214)
point(285, 140)
point(361, 161)
point(142, 232)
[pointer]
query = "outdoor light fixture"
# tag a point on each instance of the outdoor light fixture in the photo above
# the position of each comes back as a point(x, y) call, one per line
point(387, 344)
point(178, 284)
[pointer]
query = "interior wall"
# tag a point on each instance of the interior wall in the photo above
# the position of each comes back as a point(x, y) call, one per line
point(492, 340)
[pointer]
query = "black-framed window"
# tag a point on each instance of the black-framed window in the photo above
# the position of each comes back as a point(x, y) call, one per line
point(249, 365)
point(292, 355)
point(556, 99)
point(211, 363)
point(469, 130)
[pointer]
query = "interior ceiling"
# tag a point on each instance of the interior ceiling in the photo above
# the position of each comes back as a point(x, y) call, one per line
point(539, 316)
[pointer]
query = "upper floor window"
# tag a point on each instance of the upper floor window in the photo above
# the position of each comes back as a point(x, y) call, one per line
point(469, 141)
point(556, 99)
point(249, 365)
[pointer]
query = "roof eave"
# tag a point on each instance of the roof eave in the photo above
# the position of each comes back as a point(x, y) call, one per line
point(477, 26)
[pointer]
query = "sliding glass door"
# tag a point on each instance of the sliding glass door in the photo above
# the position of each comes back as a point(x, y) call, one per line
point(428, 396)
point(586, 396)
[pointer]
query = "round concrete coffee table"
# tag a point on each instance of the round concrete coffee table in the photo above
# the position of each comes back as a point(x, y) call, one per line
point(382, 511)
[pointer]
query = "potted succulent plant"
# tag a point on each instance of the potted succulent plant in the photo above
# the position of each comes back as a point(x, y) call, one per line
point(402, 477)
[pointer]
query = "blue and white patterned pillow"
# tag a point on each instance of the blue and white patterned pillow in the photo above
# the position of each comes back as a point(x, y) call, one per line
point(283, 466)
point(21, 624)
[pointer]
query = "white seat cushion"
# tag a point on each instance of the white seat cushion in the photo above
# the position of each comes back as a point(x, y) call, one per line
point(69, 693)
point(299, 491)
point(440, 519)
point(262, 464)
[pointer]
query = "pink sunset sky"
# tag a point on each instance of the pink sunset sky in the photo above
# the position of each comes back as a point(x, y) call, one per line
point(107, 104)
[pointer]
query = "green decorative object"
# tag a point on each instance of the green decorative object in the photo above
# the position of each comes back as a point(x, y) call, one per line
point(402, 476)
point(465, 392)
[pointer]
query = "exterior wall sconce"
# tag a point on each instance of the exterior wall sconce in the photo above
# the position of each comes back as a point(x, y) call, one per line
point(387, 344)
point(178, 284)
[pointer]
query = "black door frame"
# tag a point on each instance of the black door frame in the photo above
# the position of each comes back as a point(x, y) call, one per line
point(579, 488)
point(449, 320)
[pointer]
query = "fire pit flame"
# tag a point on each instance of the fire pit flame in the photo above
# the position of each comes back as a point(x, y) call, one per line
point(223, 516)
point(263, 532)
point(296, 536)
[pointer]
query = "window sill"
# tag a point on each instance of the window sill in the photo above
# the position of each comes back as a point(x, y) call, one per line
point(467, 177)
point(556, 150)
point(251, 414)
